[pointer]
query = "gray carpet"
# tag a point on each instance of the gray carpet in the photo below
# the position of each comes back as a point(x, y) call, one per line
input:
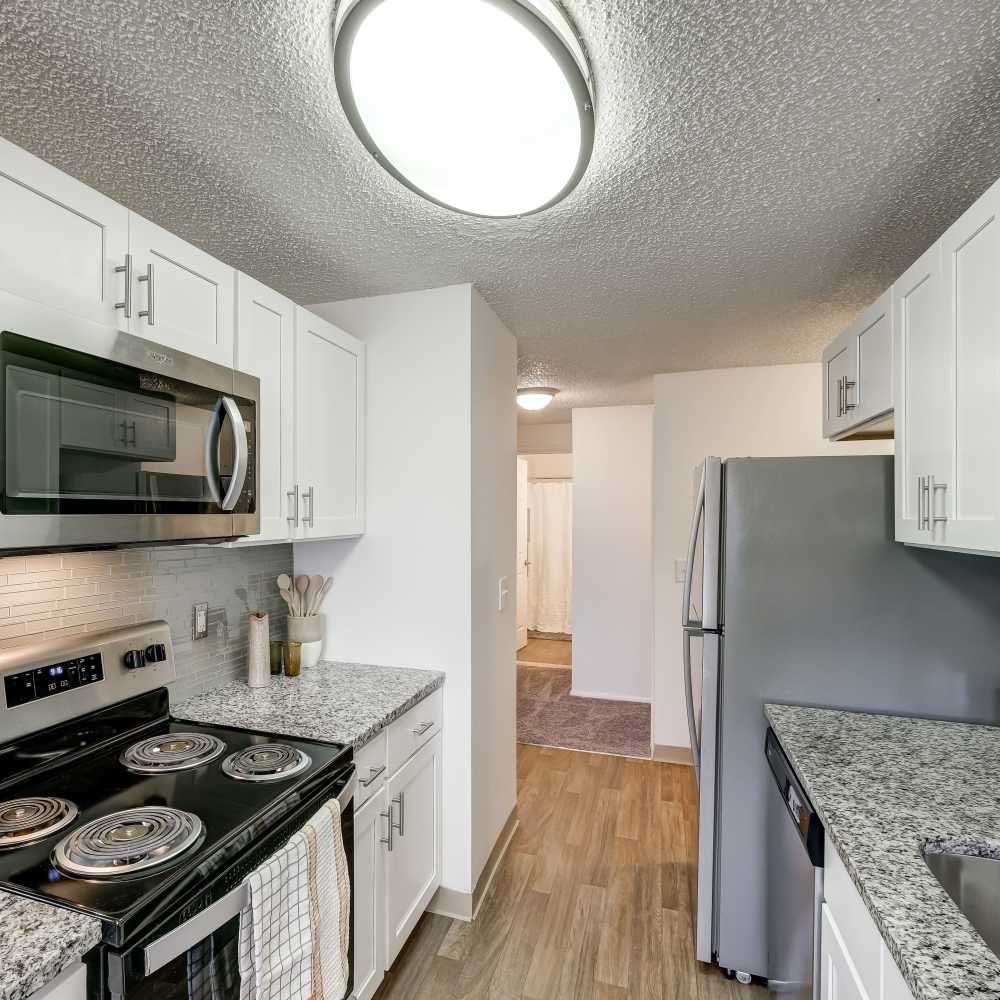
point(548, 715)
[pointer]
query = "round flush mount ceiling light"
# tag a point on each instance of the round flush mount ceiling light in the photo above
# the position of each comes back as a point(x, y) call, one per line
point(535, 398)
point(482, 106)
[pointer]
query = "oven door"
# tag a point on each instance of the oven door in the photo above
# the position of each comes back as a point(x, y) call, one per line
point(145, 445)
point(198, 958)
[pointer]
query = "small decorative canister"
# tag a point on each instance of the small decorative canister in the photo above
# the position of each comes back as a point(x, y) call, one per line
point(259, 657)
point(293, 658)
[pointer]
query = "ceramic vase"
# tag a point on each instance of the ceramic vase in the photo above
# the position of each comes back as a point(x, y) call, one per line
point(259, 657)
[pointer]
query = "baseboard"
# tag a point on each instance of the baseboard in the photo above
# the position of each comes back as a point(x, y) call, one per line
point(538, 663)
point(561, 636)
point(607, 697)
point(672, 755)
point(465, 905)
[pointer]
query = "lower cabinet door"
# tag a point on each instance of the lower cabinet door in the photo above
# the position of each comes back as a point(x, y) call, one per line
point(370, 826)
point(838, 977)
point(413, 862)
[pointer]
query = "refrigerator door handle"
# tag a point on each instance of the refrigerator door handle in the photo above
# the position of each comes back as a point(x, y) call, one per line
point(689, 699)
point(699, 511)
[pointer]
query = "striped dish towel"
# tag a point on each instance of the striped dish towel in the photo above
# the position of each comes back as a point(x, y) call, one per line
point(295, 926)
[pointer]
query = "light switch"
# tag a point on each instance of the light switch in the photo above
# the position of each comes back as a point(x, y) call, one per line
point(680, 570)
point(200, 629)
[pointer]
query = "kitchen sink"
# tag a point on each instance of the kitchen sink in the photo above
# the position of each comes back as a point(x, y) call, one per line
point(974, 884)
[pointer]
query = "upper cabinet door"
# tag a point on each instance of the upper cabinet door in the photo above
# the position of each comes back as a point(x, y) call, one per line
point(265, 347)
point(60, 241)
point(840, 366)
point(872, 331)
point(925, 402)
point(329, 428)
point(182, 297)
point(970, 494)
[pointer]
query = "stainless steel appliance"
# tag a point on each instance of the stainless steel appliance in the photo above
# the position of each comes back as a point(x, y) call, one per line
point(110, 807)
point(795, 841)
point(797, 592)
point(131, 444)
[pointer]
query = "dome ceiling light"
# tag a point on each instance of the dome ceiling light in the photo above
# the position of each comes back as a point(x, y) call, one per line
point(482, 106)
point(535, 398)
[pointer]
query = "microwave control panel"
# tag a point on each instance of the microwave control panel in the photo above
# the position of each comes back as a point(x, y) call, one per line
point(57, 678)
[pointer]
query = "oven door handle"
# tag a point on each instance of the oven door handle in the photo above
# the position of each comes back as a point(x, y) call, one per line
point(201, 925)
point(227, 407)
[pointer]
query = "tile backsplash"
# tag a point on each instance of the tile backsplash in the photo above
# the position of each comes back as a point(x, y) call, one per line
point(78, 592)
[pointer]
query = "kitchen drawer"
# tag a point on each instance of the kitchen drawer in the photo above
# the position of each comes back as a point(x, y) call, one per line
point(861, 937)
point(413, 729)
point(370, 761)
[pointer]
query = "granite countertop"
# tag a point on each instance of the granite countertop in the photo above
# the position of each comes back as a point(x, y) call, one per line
point(39, 941)
point(333, 702)
point(883, 786)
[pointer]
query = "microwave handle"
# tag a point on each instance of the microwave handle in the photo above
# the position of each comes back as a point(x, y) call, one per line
point(227, 407)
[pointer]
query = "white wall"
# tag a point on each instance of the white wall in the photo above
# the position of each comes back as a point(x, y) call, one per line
point(612, 551)
point(762, 412)
point(494, 556)
point(549, 466)
point(544, 439)
point(402, 592)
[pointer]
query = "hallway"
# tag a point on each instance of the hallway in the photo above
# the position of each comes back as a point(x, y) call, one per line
point(592, 901)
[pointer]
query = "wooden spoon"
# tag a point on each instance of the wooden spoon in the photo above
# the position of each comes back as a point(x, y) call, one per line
point(315, 586)
point(289, 599)
point(302, 585)
point(318, 603)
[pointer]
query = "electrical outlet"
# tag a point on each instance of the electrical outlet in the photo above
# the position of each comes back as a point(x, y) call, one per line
point(200, 617)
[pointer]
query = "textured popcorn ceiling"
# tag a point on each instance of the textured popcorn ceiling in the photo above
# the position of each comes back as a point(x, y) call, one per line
point(762, 169)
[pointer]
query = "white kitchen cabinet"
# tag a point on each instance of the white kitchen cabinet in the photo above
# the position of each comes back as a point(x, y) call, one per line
point(329, 429)
point(182, 297)
point(60, 241)
point(371, 825)
point(265, 347)
point(924, 392)
point(413, 864)
point(838, 977)
point(70, 984)
point(857, 373)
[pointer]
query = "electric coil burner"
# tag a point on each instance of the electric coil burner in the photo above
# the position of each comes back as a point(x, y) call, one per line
point(172, 752)
point(23, 821)
point(127, 842)
point(265, 762)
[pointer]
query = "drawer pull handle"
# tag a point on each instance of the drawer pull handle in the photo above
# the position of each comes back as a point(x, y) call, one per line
point(422, 728)
point(387, 839)
point(399, 800)
point(373, 773)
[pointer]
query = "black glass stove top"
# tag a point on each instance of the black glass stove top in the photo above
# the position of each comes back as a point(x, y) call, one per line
point(233, 812)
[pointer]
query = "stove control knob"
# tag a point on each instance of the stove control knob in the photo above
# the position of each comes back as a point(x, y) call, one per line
point(156, 653)
point(135, 658)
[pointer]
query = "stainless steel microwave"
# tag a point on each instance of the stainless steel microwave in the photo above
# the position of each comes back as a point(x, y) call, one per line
point(137, 444)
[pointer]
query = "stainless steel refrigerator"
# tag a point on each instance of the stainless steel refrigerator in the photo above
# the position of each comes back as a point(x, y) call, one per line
point(796, 592)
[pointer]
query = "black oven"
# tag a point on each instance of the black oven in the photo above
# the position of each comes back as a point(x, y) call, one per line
point(192, 952)
point(134, 443)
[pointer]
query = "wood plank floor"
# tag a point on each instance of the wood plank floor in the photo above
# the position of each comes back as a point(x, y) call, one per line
point(593, 899)
point(554, 652)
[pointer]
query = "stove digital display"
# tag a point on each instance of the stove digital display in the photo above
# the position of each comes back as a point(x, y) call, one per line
point(42, 682)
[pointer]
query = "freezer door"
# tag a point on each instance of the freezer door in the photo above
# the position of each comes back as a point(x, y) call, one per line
point(700, 600)
point(706, 695)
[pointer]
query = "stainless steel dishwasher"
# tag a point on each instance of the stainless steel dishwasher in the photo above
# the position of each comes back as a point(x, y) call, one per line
point(794, 882)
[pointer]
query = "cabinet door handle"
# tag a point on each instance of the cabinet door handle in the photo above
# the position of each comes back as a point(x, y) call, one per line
point(373, 773)
point(293, 497)
point(840, 397)
point(848, 385)
point(148, 312)
point(309, 520)
point(387, 839)
point(932, 489)
point(422, 728)
point(399, 800)
point(126, 302)
point(924, 503)
point(131, 440)
point(124, 426)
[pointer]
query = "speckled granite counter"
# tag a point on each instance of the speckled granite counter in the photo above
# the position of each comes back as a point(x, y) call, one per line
point(883, 786)
point(334, 702)
point(37, 942)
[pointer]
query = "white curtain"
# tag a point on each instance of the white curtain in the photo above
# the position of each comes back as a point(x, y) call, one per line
point(550, 551)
